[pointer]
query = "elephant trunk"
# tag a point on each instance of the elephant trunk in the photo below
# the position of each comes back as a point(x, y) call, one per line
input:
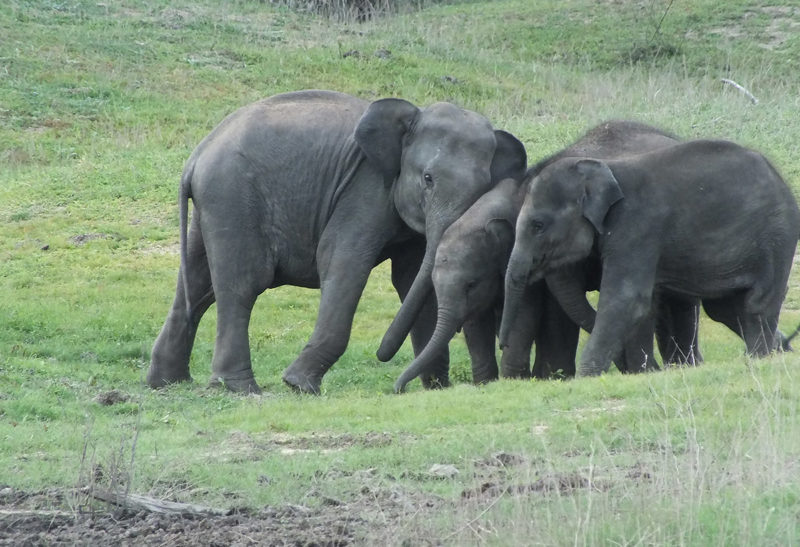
point(569, 289)
point(515, 283)
point(446, 327)
point(421, 289)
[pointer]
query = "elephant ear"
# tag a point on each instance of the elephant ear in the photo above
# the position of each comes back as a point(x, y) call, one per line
point(501, 230)
point(510, 159)
point(380, 133)
point(601, 191)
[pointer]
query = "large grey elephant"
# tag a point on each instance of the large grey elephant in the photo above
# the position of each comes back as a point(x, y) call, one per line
point(703, 219)
point(314, 188)
point(470, 268)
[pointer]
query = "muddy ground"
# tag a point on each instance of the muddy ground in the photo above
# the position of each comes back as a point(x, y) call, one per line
point(48, 518)
point(379, 516)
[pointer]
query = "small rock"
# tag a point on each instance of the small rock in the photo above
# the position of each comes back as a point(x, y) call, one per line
point(352, 53)
point(112, 397)
point(443, 471)
point(332, 502)
point(298, 509)
point(507, 459)
point(383, 54)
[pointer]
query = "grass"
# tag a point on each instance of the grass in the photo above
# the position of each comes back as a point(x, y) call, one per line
point(100, 105)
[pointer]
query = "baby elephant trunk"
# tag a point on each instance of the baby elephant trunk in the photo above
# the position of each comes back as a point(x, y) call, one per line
point(515, 283)
point(570, 292)
point(446, 327)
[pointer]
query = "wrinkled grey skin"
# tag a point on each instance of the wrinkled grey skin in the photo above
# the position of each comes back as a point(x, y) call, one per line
point(468, 280)
point(702, 219)
point(675, 317)
point(313, 189)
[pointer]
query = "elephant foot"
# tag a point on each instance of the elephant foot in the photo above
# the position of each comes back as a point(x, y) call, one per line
point(435, 382)
point(515, 373)
point(302, 382)
point(483, 380)
point(157, 379)
point(236, 385)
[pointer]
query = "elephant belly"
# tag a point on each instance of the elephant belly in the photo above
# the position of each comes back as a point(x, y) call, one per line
point(711, 281)
point(299, 271)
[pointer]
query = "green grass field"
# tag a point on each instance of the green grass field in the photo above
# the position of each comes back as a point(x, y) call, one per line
point(100, 105)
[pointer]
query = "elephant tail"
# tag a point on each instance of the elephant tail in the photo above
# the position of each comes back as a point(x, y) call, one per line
point(184, 193)
point(786, 340)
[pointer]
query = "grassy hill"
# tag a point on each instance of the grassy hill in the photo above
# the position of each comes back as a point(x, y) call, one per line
point(102, 102)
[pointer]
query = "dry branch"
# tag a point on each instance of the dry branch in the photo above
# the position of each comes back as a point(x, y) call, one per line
point(740, 88)
point(137, 502)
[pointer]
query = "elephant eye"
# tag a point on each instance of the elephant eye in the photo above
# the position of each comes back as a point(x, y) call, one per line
point(428, 180)
point(537, 226)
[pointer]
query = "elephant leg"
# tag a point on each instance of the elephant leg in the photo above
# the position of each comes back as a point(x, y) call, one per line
point(479, 333)
point(677, 322)
point(758, 329)
point(626, 300)
point(169, 359)
point(346, 254)
point(340, 292)
point(231, 365)
point(406, 261)
point(638, 354)
point(240, 271)
point(556, 341)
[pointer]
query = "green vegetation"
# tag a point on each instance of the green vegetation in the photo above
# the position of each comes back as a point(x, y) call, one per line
point(100, 105)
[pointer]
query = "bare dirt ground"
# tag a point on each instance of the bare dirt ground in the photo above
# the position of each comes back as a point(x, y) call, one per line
point(46, 518)
point(378, 515)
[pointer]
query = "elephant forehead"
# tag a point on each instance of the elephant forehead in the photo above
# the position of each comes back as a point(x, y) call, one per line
point(464, 249)
point(556, 187)
point(449, 123)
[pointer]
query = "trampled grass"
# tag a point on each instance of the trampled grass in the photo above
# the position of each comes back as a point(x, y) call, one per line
point(100, 105)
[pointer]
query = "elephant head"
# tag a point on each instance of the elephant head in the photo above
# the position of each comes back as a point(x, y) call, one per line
point(564, 211)
point(439, 161)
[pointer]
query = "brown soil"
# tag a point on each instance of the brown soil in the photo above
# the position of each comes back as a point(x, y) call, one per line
point(45, 518)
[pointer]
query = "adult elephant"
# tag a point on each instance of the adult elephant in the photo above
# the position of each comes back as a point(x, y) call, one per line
point(314, 188)
point(470, 268)
point(702, 219)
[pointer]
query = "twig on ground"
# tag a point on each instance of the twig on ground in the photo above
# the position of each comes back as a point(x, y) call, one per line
point(144, 503)
point(740, 88)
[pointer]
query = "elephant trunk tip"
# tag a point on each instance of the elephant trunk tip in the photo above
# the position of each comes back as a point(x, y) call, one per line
point(400, 386)
point(387, 350)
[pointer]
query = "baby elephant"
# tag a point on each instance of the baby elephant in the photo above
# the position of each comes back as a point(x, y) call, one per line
point(703, 219)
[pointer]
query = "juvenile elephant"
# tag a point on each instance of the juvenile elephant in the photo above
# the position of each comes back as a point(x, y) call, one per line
point(314, 188)
point(703, 219)
point(470, 268)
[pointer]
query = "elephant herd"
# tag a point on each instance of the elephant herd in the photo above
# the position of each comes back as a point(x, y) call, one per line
point(315, 188)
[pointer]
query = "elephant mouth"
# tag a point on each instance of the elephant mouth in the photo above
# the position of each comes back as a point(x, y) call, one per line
point(539, 267)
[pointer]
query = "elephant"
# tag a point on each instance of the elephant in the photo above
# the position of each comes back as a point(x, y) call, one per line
point(314, 188)
point(470, 267)
point(468, 281)
point(704, 219)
